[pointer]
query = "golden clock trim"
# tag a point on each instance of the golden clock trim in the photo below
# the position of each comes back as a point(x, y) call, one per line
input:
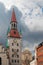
point(15, 41)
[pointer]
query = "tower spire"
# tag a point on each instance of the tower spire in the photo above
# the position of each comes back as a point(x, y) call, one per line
point(13, 17)
point(14, 31)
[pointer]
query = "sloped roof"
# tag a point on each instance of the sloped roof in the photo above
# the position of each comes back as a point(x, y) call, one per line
point(13, 17)
point(14, 33)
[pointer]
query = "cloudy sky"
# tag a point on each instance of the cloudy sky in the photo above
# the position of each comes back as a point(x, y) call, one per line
point(29, 14)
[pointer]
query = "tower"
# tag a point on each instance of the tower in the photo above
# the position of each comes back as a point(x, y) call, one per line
point(14, 41)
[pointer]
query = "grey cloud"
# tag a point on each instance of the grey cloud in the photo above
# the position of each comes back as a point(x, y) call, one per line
point(31, 38)
point(5, 19)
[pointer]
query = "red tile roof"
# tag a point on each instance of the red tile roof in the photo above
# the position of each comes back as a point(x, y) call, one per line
point(13, 18)
point(14, 33)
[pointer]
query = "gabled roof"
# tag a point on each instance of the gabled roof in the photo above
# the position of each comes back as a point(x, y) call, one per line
point(14, 33)
point(13, 17)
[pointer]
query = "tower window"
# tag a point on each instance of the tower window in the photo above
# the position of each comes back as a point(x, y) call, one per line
point(17, 56)
point(17, 44)
point(12, 60)
point(15, 61)
point(14, 32)
point(14, 25)
point(17, 50)
point(12, 50)
point(0, 61)
point(12, 44)
point(12, 55)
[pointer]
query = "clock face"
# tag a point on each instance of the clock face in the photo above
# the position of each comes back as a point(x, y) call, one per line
point(15, 41)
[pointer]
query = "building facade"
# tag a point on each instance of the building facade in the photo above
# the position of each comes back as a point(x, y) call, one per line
point(26, 57)
point(39, 54)
point(3, 57)
point(14, 41)
point(34, 58)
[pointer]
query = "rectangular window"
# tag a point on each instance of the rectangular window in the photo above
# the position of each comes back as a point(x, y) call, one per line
point(12, 44)
point(14, 25)
point(40, 63)
point(0, 61)
point(17, 50)
point(12, 55)
point(17, 61)
point(17, 44)
point(12, 61)
point(12, 50)
point(17, 56)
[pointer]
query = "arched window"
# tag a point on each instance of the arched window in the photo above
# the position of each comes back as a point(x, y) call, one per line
point(0, 61)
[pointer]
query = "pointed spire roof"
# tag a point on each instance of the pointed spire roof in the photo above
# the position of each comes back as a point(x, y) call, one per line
point(14, 32)
point(13, 17)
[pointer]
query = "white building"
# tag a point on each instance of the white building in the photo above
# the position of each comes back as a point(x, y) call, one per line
point(33, 62)
point(3, 57)
point(26, 57)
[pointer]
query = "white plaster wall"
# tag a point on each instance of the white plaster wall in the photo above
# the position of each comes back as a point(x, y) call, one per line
point(11, 40)
point(4, 59)
point(33, 62)
point(0, 48)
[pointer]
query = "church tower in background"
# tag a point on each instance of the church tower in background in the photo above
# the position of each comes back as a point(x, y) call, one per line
point(14, 41)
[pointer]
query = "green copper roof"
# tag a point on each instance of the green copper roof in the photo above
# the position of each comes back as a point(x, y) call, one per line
point(7, 45)
point(20, 32)
point(8, 30)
